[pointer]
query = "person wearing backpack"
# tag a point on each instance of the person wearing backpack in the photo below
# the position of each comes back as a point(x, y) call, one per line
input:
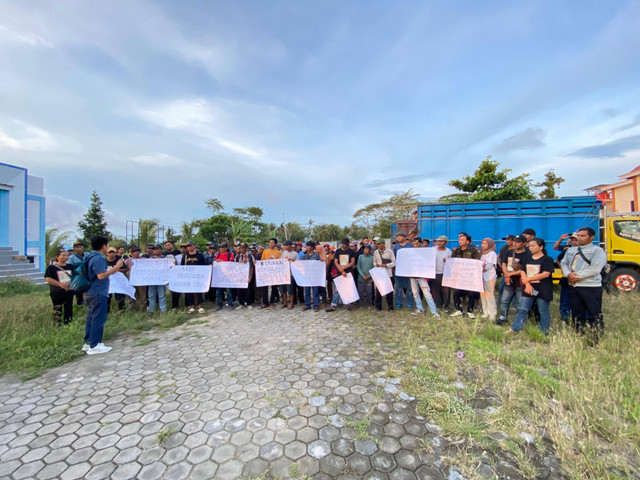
point(97, 295)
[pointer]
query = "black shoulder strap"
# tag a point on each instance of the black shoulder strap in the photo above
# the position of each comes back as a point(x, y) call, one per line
point(588, 262)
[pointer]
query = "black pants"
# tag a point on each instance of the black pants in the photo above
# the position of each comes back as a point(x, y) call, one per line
point(586, 308)
point(472, 296)
point(119, 301)
point(79, 298)
point(441, 295)
point(192, 299)
point(62, 306)
point(175, 299)
point(244, 297)
point(266, 300)
point(378, 300)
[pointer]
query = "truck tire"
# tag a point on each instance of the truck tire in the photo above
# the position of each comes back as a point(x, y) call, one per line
point(624, 280)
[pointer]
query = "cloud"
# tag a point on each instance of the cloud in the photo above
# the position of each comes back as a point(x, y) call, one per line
point(157, 159)
point(530, 139)
point(404, 179)
point(634, 123)
point(610, 112)
point(27, 137)
point(613, 149)
point(179, 114)
point(32, 39)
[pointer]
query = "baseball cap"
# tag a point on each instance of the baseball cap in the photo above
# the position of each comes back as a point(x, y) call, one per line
point(111, 249)
point(509, 237)
point(353, 244)
point(78, 242)
point(157, 245)
point(149, 245)
point(529, 231)
point(224, 245)
point(134, 248)
point(288, 243)
point(378, 240)
point(190, 244)
point(442, 238)
point(183, 245)
point(401, 234)
point(520, 239)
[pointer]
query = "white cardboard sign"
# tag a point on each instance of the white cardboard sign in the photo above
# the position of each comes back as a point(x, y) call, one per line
point(347, 289)
point(381, 279)
point(230, 275)
point(118, 283)
point(273, 272)
point(190, 279)
point(150, 271)
point(416, 262)
point(309, 273)
point(463, 274)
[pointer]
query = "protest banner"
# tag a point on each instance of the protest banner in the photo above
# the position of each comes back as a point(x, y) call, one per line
point(347, 289)
point(382, 280)
point(273, 272)
point(309, 273)
point(190, 279)
point(150, 271)
point(118, 283)
point(463, 274)
point(230, 275)
point(416, 262)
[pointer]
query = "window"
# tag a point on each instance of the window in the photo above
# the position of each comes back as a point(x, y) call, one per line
point(627, 229)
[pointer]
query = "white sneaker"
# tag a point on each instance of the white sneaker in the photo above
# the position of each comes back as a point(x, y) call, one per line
point(470, 315)
point(250, 307)
point(457, 313)
point(484, 315)
point(100, 348)
point(239, 307)
point(436, 315)
point(85, 347)
point(201, 310)
point(417, 312)
point(191, 310)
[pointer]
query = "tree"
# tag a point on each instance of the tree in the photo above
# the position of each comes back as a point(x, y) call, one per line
point(488, 184)
point(147, 230)
point(54, 241)
point(251, 214)
point(171, 235)
point(551, 181)
point(216, 228)
point(327, 232)
point(93, 222)
point(214, 205)
point(189, 229)
point(375, 218)
point(294, 232)
point(241, 230)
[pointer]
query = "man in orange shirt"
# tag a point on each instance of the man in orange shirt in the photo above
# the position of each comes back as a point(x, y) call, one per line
point(270, 253)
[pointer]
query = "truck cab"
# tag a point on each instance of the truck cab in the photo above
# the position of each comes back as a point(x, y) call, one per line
point(622, 244)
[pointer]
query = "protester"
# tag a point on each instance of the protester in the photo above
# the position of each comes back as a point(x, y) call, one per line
point(503, 255)
point(148, 250)
point(441, 294)
point(511, 271)
point(489, 260)
point(74, 260)
point(420, 288)
point(403, 284)
point(140, 302)
point(97, 296)
point(384, 258)
point(224, 255)
point(112, 259)
point(582, 265)
point(245, 298)
point(157, 292)
point(58, 276)
point(270, 253)
point(289, 291)
point(344, 263)
point(565, 289)
point(465, 250)
point(171, 252)
point(365, 284)
point(311, 254)
point(536, 278)
point(329, 262)
point(193, 300)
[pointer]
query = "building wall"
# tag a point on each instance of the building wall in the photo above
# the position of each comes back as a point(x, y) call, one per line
point(623, 196)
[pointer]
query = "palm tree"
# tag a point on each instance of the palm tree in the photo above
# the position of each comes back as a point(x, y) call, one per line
point(54, 241)
point(147, 230)
point(241, 230)
point(188, 230)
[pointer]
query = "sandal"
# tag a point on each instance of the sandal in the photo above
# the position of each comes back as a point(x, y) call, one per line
point(263, 306)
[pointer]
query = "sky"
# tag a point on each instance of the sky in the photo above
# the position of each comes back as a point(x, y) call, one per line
point(310, 109)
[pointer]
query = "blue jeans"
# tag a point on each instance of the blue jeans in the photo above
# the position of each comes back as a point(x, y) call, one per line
point(159, 291)
point(307, 297)
point(418, 284)
point(403, 283)
point(565, 303)
point(508, 294)
point(96, 318)
point(523, 309)
point(220, 300)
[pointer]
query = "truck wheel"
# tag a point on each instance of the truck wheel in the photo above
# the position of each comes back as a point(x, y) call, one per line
point(624, 280)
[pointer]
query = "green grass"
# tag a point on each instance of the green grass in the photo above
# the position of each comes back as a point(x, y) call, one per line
point(586, 398)
point(30, 342)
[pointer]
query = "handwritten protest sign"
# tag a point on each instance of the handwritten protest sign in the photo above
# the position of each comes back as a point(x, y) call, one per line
point(190, 279)
point(416, 262)
point(273, 272)
point(463, 274)
point(118, 283)
point(309, 273)
point(382, 280)
point(347, 289)
point(230, 275)
point(150, 271)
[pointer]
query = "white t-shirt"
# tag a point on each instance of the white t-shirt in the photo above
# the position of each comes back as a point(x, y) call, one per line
point(440, 256)
point(490, 259)
point(290, 255)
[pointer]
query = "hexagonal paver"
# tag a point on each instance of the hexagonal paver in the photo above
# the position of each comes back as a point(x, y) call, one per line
point(271, 451)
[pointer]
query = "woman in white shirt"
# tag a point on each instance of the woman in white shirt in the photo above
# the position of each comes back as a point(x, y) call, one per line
point(489, 260)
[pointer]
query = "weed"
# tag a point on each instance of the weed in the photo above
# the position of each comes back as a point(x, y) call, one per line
point(144, 341)
point(233, 374)
point(165, 433)
point(360, 426)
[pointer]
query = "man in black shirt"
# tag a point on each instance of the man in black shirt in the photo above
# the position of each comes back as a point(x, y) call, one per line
point(191, 258)
point(344, 262)
point(511, 271)
point(465, 250)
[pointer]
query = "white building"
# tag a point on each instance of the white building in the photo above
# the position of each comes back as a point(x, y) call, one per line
point(22, 213)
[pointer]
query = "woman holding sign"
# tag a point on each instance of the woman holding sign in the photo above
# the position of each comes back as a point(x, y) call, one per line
point(58, 276)
point(489, 259)
point(537, 286)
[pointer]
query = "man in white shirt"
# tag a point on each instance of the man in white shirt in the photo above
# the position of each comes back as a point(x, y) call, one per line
point(440, 294)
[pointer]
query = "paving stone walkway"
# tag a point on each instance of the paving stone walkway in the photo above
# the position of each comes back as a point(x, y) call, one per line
point(243, 394)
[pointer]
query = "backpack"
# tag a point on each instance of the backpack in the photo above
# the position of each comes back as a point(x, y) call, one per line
point(80, 282)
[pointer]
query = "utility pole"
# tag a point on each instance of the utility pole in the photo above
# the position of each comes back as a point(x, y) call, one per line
point(284, 226)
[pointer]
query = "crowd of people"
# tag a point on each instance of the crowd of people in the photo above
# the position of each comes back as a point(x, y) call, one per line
point(522, 264)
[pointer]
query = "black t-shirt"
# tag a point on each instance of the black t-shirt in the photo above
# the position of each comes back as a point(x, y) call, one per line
point(59, 273)
point(514, 261)
point(535, 266)
point(172, 254)
point(195, 259)
point(343, 257)
point(502, 258)
point(112, 264)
